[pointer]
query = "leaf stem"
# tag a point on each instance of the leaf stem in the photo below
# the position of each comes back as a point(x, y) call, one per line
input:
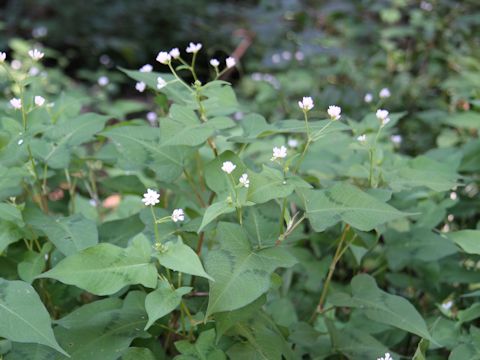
point(338, 254)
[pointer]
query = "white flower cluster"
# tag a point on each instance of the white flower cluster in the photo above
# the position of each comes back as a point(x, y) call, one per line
point(151, 198)
point(279, 153)
point(382, 115)
point(306, 104)
point(334, 112)
point(36, 54)
point(387, 356)
point(228, 167)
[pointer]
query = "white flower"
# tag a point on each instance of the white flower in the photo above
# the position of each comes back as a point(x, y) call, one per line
point(151, 117)
point(384, 93)
point(161, 83)
point(447, 305)
point(175, 53)
point(293, 143)
point(279, 153)
point(178, 215)
point(214, 62)
point(425, 5)
point(362, 138)
point(193, 48)
point(368, 98)
point(286, 55)
point(382, 115)
point(231, 62)
point(16, 64)
point(146, 68)
point(306, 104)
point(453, 195)
point(334, 112)
point(228, 167)
point(3, 56)
point(34, 71)
point(276, 58)
point(16, 103)
point(39, 101)
point(299, 56)
point(163, 57)
point(140, 86)
point(396, 139)
point(103, 81)
point(386, 357)
point(151, 197)
point(35, 54)
point(244, 180)
point(39, 32)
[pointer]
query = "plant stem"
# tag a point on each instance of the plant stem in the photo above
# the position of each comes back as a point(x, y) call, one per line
point(155, 225)
point(333, 264)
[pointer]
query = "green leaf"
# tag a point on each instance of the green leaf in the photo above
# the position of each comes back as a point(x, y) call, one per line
point(419, 244)
point(241, 273)
point(423, 172)
point(69, 234)
point(139, 147)
point(105, 334)
point(421, 352)
point(203, 349)
point(9, 233)
point(24, 318)
point(360, 345)
point(271, 184)
point(472, 313)
point(180, 257)
point(214, 211)
point(137, 353)
point(65, 135)
point(468, 119)
point(468, 240)
point(380, 306)
point(345, 202)
point(228, 319)
point(163, 301)
point(11, 181)
point(33, 263)
point(104, 269)
point(216, 179)
point(10, 212)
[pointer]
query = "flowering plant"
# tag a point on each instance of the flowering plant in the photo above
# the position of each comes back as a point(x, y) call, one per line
point(206, 231)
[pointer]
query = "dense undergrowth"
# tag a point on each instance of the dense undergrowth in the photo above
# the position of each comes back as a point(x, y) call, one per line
point(325, 207)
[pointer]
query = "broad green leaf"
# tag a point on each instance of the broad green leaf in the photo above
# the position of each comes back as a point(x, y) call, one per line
point(203, 349)
point(10, 212)
point(24, 318)
point(214, 211)
point(9, 233)
point(24, 351)
point(228, 319)
point(241, 273)
point(33, 263)
point(271, 184)
point(180, 257)
point(472, 313)
point(468, 119)
point(360, 345)
point(345, 202)
point(468, 240)
point(380, 306)
point(105, 334)
point(11, 181)
point(119, 232)
point(419, 244)
point(423, 172)
point(64, 135)
point(104, 269)
point(69, 234)
point(221, 99)
point(163, 301)
point(139, 146)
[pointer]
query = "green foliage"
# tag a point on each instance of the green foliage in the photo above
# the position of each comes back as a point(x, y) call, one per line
point(266, 231)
